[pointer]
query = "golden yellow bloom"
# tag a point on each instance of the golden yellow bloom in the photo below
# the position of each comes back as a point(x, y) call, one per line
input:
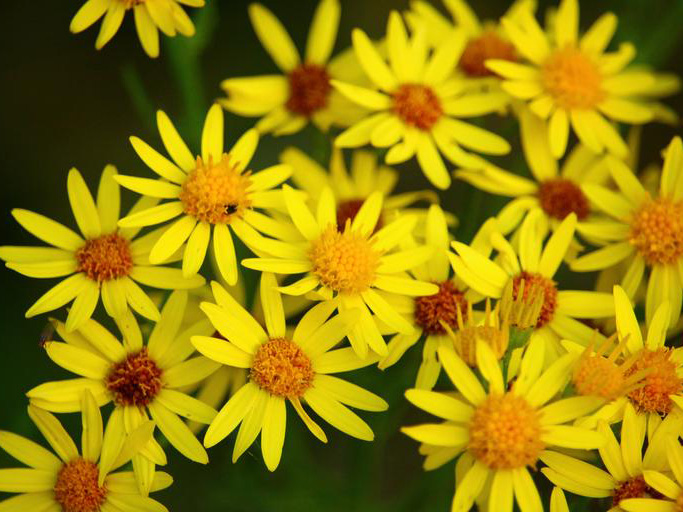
point(304, 93)
point(573, 81)
point(74, 481)
point(150, 17)
point(139, 378)
point(416, 108)
point(212, 194)
point(352, 269)
point(107, 260)
point(283, 367)
point(502, 432)
point(644, 231)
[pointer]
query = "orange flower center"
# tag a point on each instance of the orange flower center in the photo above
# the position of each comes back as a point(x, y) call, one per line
point(505, 432)
point(281, 368)
point(531, 283)
point(309, 89)
point(560, 197)
point(347, 210)
point(442, 306)
point(104, 258)
point(595, 375)
point(679, 503)
point(344, 261)
point(77, 488)
point(216, 193)
point(633, 488)
point(661, 382)
point(134, 381)
point(417, 105)
point(489, 45)
point(572, 79)
point(657, 231)
point(466, 342)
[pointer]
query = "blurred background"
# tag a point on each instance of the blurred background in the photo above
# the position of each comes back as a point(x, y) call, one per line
point(63, 105)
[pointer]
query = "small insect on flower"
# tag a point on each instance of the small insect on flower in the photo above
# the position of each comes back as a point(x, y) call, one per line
point(230, 209)
point(46, 335)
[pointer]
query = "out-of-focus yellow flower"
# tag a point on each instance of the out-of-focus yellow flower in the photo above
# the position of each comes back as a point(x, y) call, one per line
point(150, 17)
point(303, 94)
point(572, 81)
point(415, 111)
point(212, 194)
point(106, 261)
point(644, 230)
point(282, 367)
point(73, 481)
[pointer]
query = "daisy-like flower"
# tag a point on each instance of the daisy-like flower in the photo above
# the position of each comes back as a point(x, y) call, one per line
point(536, 264)
point(212, 193)
point(346, 268)
point(670, 492)
point(661, 391)
point(105, 261)
point(77, 482)
point(139, 378)
point(645, 231)
point(415, 111)
point(303, 93)
point(500, 433)
point(623, 460)
point(150, 17)
point(284, 367)
point(572, 81)
point(556, 191)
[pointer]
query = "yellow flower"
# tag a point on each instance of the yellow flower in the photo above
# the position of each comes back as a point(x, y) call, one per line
point(556, 191)
point(536, 265)
point(500, 433)
point(672, 492)
point(661, 367)
point(209, 192)
point(644, 230)
point(283, 366)
point(106, 261)
point(73, 481)
point(415, 109)
point(303, 93)
point(150, 17)
point(139, 378)
point(347, 268)
point(623, 460)
point(573, 81)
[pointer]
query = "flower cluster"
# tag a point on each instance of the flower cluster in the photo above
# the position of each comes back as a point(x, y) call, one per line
point(543, 384)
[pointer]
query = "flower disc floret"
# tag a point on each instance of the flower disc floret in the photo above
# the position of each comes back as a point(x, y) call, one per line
point(632, 488)
point(657, 231)
point(661, 381)
point(559, 197)
point(104, 258)
point(431, 310)
point(505, 432)
point(417, 105)
point(344, 261)
point(309, 89)
point(533, 281)
point(595, 375)
point(281, 368)
point(572, 79)
point(135, 381)
point(216, 193)
point(77, 488)
point(488, 45)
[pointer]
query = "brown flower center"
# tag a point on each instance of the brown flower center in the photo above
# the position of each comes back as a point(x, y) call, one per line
point(309, 89)
point(281, 368)
point(77, 488)
point(505, 432)
point(135, 381)
point(559, 197)
point(633, 488)
point(661, 381)
point(417, 105)
point(489, 45)
point(442, 306)
point(532, 282)
point(104, 258)
point(572, 79)
point(347, 210)
point(216, 193)
point(657, 231)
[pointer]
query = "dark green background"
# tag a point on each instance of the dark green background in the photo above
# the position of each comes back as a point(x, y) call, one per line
point(63, 104)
